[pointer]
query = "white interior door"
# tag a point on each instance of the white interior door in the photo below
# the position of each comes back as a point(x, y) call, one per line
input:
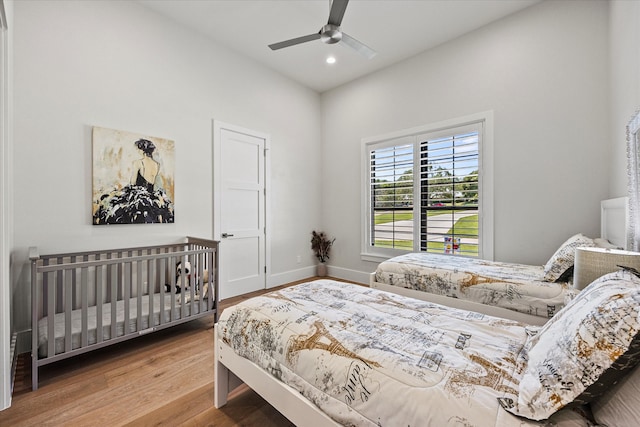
point(239, 208)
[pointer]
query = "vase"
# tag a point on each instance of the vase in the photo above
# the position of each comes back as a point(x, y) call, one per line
point(321, 269)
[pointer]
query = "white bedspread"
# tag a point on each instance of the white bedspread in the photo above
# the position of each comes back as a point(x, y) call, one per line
point(372, 358)
point(516, 287)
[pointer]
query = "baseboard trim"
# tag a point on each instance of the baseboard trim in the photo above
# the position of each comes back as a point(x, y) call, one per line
point(290, 276)
point(348, 274)
point(307, 272)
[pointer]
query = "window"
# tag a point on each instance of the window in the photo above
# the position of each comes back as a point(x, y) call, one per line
point(428, 190)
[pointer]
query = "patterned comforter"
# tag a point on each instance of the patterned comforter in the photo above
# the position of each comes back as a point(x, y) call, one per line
point(516, 287)
point(372, 358)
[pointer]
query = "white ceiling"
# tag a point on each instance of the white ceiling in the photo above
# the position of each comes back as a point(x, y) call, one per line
point(396, 29)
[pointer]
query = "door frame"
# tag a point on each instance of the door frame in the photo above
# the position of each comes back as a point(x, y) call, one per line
point(218, 126)
point(7, 350)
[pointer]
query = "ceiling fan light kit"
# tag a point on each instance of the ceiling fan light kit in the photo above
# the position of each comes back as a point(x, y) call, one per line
point(331, 33)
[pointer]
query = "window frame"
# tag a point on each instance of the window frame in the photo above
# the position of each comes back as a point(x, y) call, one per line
point(413, 135)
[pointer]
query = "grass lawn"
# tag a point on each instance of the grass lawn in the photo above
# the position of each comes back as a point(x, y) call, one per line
point(435, 247)
point(467, 226)
point(383, 218)
point(399, 244)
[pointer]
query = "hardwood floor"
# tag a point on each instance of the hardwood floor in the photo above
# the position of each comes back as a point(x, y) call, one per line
point(164, 378)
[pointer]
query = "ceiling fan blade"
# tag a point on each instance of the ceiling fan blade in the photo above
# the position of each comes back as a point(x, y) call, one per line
point(337, 11)
point(363, 49)
point(293, 42)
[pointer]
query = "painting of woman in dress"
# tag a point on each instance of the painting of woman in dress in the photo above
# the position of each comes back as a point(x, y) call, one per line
point(132, 178)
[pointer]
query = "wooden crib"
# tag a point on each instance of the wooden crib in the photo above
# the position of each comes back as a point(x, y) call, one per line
point(89, 300)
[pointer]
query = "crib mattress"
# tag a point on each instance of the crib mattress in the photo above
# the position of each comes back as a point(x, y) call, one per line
point(367, 357)
point(76, 321)
point(516, 287)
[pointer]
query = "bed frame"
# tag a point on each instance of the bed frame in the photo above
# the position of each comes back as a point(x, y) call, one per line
point(231, 370)
point(459, 303)
point(116, 284)
point(613, 220)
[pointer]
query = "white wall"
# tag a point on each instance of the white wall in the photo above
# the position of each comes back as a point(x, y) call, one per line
point(122, 66)
point(624, 45)
point(544, 73)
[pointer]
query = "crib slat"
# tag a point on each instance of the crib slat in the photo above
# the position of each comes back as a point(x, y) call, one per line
point(119, 274)
point(139, 295)
point(126, 284)
point(114, 301)
point(160, 264)
point(69, 282)
point(207, 297)
point(59, 284)
point(99, 302)
point(200, 282)
point(51, 313)
point(33, 255)
point(172, 313)
point(210, 282)
point(213, 281)
point(203, 266)
point(84, 296)
point(149, 290)
point(45, 289)
point(108, 294)
point(213, 273)
point(178, 299)
point(183, 294)
point(192, 286)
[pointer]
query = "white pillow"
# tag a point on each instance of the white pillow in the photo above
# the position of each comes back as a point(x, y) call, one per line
point(560, 265)
point(582, 351)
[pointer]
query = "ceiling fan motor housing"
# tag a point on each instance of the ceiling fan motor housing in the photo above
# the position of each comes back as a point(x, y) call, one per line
point(330, 34)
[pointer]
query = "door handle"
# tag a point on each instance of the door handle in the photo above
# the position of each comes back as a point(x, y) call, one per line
point(225, 235)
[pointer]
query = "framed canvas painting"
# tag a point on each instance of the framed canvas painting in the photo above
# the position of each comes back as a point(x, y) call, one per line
point(133, 178)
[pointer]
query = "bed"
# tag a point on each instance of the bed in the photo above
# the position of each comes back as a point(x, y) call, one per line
point(331, 353)
point(88, 300)
point(527, 293)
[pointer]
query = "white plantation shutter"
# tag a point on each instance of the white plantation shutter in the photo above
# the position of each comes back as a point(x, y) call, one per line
point(449, 190)
point(424, 192)
point(392, 193)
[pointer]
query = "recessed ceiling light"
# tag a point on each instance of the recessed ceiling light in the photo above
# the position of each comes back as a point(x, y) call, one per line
point(331, 60)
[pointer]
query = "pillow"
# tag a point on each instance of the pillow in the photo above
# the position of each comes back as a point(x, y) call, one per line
point(582, 351)
point(620, 406)
point(560, 265)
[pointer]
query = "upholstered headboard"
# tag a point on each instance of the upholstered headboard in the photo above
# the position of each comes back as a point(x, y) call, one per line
point(614, 219)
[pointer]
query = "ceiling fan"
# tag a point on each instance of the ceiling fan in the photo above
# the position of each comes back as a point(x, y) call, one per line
point(331, 33)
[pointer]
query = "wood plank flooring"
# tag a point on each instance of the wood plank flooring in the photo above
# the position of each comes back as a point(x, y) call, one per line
point(164, 378)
